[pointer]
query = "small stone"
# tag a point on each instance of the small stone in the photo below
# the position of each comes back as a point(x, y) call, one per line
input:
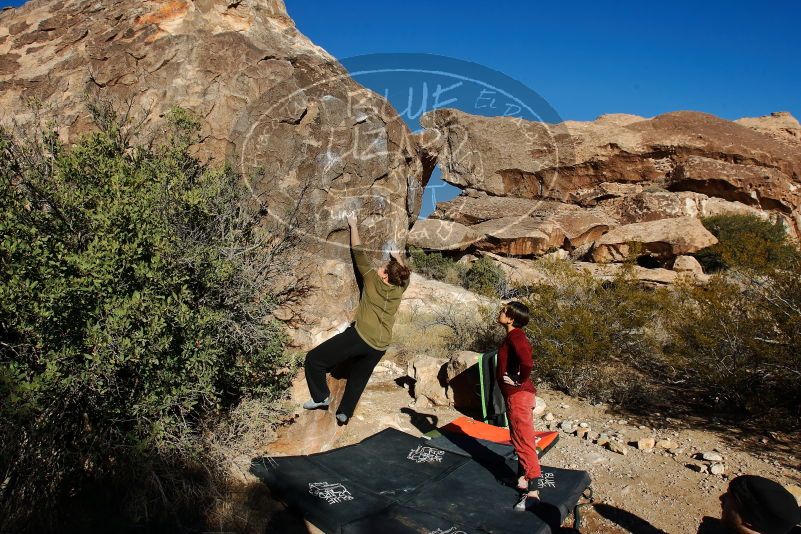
point(616, 446)
point(622, 422)
point(566, 426)
point(539, 406)
point(584, 425)
point(645, 444)
point(592, 436)
point(602, 440)
point(711, 456)
point(643, 427)
point(595, 458)
point(549, 416)
point(664, 444)
point(582, 432)
point(698, 468)
point(717, 469)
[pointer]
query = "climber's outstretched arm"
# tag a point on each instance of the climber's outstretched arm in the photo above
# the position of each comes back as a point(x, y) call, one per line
point(355, 240)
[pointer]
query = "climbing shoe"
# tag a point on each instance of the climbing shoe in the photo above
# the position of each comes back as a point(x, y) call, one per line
point(311, 405)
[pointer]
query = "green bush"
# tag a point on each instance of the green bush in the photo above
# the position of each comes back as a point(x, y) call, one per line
point(746, 241)
point(591, 337)
point(435, 265)
point(737, 342)
point(485, 278)
point(129, 313)
point(482, 276)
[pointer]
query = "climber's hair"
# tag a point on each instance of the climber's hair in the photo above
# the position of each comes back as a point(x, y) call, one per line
point(517, 312)
point(397, 274)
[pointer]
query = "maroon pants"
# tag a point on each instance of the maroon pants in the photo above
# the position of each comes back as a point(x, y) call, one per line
point(521, 428)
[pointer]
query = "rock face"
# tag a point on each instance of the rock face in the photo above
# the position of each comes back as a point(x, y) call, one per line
point(461, 373)
point(435, 234)
point(663, 239)
point(426, 296)
point(779, 125)
point(604, 189)
point(522, 227)
point(510, 157)
point(430, 383)
point(281, 109)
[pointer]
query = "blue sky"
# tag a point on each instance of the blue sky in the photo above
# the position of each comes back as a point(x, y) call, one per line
point(731, 59)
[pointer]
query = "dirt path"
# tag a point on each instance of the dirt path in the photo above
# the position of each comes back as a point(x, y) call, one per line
point(645, 491)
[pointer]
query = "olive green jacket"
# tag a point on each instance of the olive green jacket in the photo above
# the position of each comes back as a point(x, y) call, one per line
point(378, 305)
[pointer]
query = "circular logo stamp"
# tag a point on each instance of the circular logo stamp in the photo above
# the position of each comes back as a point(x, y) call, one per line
point(365, 135)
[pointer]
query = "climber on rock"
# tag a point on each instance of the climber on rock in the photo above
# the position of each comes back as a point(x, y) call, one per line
point(366, 340)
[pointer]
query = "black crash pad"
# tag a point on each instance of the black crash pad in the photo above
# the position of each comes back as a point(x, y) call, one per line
point(404, 485)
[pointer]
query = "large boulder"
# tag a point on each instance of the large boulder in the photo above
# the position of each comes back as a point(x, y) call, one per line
point(687, 264)
point(663, 240)
point(311, 142)
point(473, 208)
point(518, 271)
point(436, 234)
point(512, 157)
point(754, 163)
point(754, 185)
point(611, 271)
point(432, 297)
point(519, 226)
point(461, 373)
point(518, 236)
point(430, 384)
point(654, 205)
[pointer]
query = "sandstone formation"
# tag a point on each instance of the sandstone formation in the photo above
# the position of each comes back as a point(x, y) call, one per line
point(431, 297)
point(662, 239)
point(609, 188)
point(430, 385)
point(435, 234)
point(280, 108)
point(687, 264)
point(521, 227)
point(511, 157)
point(779, 125)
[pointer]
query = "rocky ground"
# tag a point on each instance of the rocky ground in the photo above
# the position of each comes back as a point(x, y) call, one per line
point(656, 478)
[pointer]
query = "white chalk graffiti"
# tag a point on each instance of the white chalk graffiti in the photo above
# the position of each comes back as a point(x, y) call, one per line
point(331, 493)
point(423, 454)
point(547, 480)
point(452, 530)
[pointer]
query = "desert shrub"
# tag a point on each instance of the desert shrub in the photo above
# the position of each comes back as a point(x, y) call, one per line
point(590, 337)
point(738, 342)
point(746, 241)
point(435, 265)
point(132, 308)
point(482, 276)
point(485, 278)
point(468, 329)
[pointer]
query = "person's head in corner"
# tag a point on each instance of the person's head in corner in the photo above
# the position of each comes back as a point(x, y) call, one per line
point(394, 273)
point(754, 504)
point(514, 313)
